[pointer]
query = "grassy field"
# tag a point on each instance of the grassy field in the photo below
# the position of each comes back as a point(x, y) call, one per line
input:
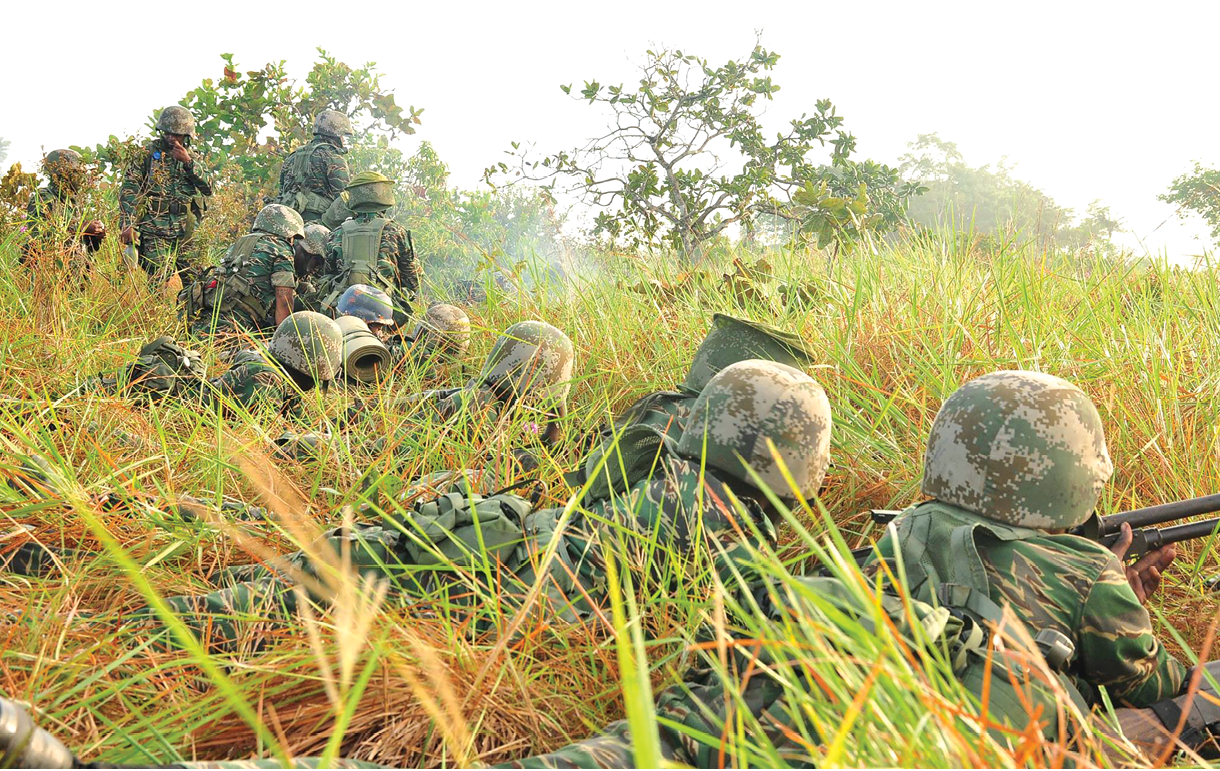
point(896, 329)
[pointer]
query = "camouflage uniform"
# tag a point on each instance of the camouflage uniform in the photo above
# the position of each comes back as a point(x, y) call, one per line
point(1010, 456)
point(321, 177)
point(159, 198)
point(655, 503)
point(370, 248)
point(397, 271)
point(240, 293)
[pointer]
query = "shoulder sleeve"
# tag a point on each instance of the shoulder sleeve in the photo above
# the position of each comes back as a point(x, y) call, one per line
point(279, 258)
point(1117, 646)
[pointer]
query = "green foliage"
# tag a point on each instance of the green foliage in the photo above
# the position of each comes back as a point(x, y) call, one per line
point(687, 158)
point(234, 111)
point(1197, 192)
point(991, 203)
point(15, 190)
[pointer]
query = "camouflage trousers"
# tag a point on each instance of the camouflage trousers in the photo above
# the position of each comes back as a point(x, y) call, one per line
point(163, 255)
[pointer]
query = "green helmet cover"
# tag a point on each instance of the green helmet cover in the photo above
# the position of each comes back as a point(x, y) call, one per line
point(370, 191)
point(732, 340)
point(752, 405)
point(445, 329)
point(1022, 448)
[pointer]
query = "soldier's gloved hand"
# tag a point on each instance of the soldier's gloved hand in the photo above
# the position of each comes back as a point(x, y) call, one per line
point(126, 235)
point(1145, 574)
point(25, 745)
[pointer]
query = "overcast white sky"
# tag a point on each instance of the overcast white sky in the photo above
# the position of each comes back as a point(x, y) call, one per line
point(1092, 100)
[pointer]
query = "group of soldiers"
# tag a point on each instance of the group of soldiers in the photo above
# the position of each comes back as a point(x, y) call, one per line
point(700, 477)
point(325, 231)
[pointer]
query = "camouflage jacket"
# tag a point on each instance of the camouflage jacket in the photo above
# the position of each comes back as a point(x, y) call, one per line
point(325, 178)
point(397, 268)
point(158, 191)
point(252, 380)
point(241, 292)
point(1062, 582)
point(678, 517)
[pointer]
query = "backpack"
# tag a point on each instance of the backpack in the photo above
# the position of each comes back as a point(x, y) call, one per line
point(163, 368)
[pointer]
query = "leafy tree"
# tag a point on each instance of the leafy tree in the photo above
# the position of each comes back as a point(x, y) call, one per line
point(235, 112)
point(1197, 192)
point(685, 158)
point(990, 201)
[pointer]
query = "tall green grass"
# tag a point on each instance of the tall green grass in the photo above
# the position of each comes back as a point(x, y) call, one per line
point(896, 327)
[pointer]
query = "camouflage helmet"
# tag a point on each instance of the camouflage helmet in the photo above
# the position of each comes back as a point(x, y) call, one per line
point(176, 119)
point(309, 343)
point(63, 164)
point(533, 360)
point(332, 123)
point(315, 239)
point(367, 303)
point(750, 402)
point(280, 220)
point(1018, 447)
point(445, 329)
point(370, 191)
point(732, 340)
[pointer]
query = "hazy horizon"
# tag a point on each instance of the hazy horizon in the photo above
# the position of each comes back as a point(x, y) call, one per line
point(1088, 103)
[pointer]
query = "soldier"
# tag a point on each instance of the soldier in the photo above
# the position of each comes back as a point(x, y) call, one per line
point(314, 175)
point(303, 354)
point(164, 192)
point(310, 264)
point(370, 248)
point(1014, 460)
point(254, 287)
point(660, 507)
point(730, 340)
point(55, 208)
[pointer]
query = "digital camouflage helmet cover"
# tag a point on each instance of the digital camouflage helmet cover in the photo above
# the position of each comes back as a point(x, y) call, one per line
point(752, 406)
point(309, 343)
point(1022, 448)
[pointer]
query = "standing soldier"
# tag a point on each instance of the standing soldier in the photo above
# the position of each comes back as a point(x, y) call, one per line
point(55, 208)
point(254, 286)
point(164, 192)
point(371, 248)
point(314, 175)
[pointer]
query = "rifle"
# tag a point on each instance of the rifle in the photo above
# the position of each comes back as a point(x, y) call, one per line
point(1146, 536)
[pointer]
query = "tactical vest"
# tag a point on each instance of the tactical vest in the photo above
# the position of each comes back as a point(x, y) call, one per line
point(940, 555)
point(231, 286)
point(296, 193)
point(361, 244)
point(163, 368)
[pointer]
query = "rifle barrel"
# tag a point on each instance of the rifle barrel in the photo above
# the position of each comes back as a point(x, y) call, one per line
point(1165, 512)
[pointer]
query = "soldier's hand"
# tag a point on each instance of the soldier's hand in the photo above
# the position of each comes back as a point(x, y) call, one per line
point(180, 153)
point(127, 235)
point(1145, 574)
point(95, 228)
